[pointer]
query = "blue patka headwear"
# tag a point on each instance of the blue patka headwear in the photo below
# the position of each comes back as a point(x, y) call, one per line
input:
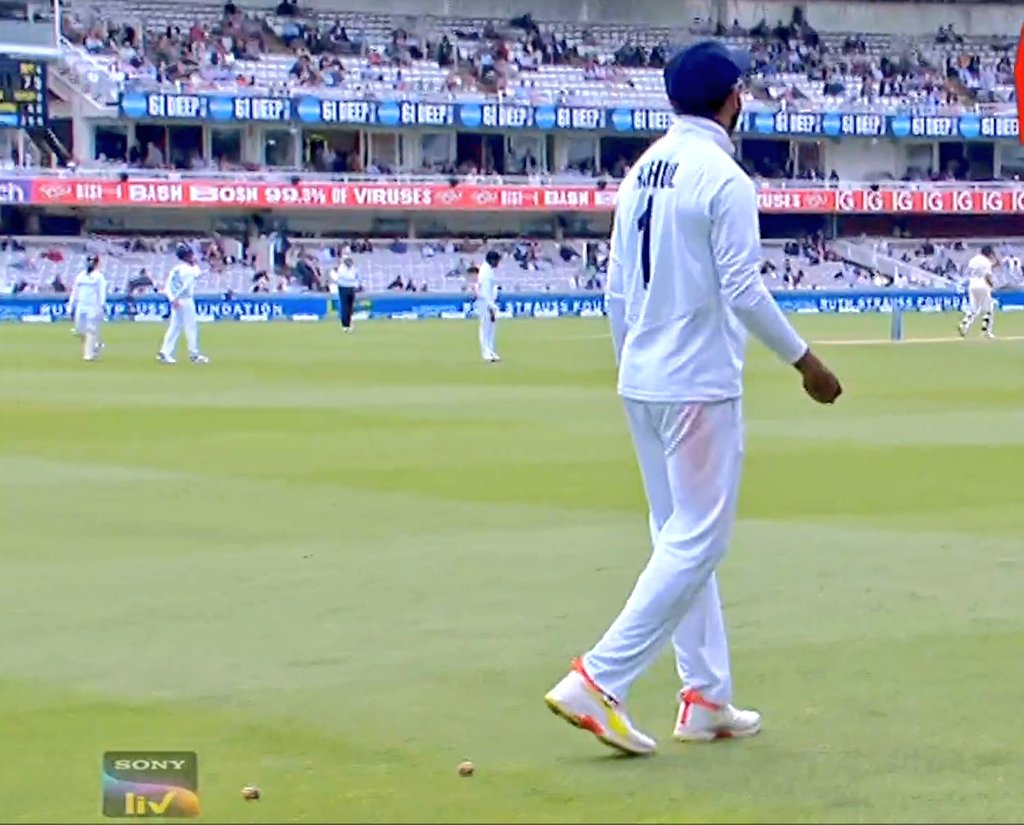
point(700, 77)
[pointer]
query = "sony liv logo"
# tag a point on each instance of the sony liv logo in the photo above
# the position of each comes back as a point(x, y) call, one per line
point(150, 784)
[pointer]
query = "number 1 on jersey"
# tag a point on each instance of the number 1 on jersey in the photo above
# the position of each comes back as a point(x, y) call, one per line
point(643, 224)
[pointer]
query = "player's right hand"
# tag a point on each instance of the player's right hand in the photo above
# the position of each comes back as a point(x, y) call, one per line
point(820, 383)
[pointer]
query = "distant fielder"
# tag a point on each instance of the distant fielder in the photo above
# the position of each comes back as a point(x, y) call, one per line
point(87, 304)
point(684, 286)
point(345, 284)
point(487, 306)
point(980, 281)
point(180, 292)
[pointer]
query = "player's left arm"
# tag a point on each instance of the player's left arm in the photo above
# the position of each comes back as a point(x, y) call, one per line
point(615, 291)
point(736, 245)
point(174, 286)
point(490, 293)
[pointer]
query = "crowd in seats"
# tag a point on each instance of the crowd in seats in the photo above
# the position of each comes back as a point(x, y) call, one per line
point(159, 44)
point(145, 45)
point(273, 264)
point(49, 265)
point(140, 43)
point(949, 258)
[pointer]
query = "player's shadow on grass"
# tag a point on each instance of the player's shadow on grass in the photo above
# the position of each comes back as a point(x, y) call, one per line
point(668, 755)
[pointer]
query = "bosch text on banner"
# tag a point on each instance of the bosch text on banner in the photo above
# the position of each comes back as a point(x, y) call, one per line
point(84, 191)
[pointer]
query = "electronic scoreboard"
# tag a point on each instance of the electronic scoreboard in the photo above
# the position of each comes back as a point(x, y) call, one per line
point(22, 93)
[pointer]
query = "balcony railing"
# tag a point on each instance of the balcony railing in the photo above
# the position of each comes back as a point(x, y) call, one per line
point(108, 172)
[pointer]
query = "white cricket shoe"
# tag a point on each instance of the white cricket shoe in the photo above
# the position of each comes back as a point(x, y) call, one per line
point(581, 703)
point(990, 335)
point(165, 359)
point(702, 721)
point(199, 358)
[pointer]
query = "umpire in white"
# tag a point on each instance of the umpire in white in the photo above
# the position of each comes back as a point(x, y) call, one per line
point(684, 287)
point(345, 281)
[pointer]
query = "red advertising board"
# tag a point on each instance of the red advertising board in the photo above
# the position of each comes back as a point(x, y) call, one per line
point(493, 197)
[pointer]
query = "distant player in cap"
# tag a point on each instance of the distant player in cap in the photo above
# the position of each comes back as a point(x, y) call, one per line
point(87, 303)
point(980, 281)
point(180, 291)
point(684, 287)
point(487, 306)
point(345, 284)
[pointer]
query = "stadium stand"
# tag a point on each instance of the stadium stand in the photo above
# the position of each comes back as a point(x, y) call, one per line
point(44, 265)
point(205, 47)
point(114, 47)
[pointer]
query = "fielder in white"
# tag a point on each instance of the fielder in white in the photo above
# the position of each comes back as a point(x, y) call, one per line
point(180, 291)
point(683, 285)
point(980, 281)
point(487, 306)
point(87, 304)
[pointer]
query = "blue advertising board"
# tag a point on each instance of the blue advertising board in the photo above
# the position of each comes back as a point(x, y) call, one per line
point(313, 307)
point(311, 110)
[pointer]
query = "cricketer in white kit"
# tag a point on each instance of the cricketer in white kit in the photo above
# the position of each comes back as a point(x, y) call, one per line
point(87, 304)
point(180, 291)
point(683, 286)
point(487, 306)
point(980, 281)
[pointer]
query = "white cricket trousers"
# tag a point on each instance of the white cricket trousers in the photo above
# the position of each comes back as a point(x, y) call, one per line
point(488, 331)
point(979, 295)
point(87, 320)
point(182, 318)
point(691, 458)
point(87, 324)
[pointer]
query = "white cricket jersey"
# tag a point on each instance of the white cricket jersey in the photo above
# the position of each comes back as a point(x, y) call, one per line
point(89, 292)
point(685, 271)
point(486, 288)
point(181, 281)
point(979, 270)
point(344, 276)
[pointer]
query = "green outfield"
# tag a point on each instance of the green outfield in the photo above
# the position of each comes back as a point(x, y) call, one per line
point(336, 566)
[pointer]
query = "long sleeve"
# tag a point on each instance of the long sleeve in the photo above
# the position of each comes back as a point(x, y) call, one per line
point(180, 282)
point(174, 284)
point(615, 294)
point(73, 298)
point(102, 292)
point(736, 243)
point(488, 290)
